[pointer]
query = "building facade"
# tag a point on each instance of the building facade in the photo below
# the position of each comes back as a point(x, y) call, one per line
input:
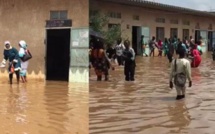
point(146, 18)
point(56, 33)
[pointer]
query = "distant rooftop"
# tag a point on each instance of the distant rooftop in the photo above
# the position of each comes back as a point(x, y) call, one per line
point(164, 7)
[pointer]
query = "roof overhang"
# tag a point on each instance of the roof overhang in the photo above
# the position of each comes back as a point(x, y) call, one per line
point(163, 7)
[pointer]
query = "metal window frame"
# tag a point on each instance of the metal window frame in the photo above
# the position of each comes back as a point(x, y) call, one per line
point(59, 14)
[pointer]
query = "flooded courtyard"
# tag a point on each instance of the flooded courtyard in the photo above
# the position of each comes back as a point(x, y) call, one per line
point(44, 108)
point(148, 105)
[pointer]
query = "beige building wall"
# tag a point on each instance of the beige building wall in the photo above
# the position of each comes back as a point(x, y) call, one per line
point(26, 20)
point(147, 19)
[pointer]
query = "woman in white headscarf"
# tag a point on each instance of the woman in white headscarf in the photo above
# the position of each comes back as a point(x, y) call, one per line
point(24, 64)
point(11, 54)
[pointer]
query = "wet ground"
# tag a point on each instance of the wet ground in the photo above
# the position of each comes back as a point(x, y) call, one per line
point(148, 106)
point(44, 108)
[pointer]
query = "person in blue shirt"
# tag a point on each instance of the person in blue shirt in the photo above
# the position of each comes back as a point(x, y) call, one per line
point(11, 54)
point(185, 46)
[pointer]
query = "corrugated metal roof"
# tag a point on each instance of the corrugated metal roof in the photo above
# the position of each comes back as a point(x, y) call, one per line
point(164, 7)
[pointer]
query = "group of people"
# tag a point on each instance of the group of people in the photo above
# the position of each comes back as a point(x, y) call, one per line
point(180, 71)
point(18, 60)
point(188, 55)
point(103, 59)
point(169, 46)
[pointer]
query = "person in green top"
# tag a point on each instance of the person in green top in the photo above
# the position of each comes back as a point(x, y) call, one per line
point(168, 49)
point(165, 46)
point(143, 46)
point(199, 48)
point(175, 42)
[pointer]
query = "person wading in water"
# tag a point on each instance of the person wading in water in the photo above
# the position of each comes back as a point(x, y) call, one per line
point(11, 54)
point(119, 48)
point(152, 45)
point(129, 56)
point(100, 60)
point(143, 46)
point(180, 71)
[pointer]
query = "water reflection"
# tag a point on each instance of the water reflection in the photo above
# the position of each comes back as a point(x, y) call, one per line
point(179, 116)
point(147, 105)
point(43, 108)
point(17, 103)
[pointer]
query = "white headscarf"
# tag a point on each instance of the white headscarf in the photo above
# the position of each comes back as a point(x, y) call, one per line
point(5, 43)
point(23, 44)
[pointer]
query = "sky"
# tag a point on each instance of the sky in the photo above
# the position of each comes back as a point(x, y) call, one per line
point(203, 5)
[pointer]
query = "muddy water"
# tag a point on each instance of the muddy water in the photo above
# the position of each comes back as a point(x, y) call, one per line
point(44, 108)
point(148, 106)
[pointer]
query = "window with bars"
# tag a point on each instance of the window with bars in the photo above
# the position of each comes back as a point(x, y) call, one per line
point(185, 22)
point(160, 20)
point(93, 12)
point(114, 15)
point(58, 15)
point(174, 21)
point(136, 17)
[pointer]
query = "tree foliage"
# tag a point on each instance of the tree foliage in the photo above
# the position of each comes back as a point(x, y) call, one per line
point(99, 23)
point(113, 34)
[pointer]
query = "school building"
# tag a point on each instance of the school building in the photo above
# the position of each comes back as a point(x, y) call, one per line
point(56, 32)
point(140, 17)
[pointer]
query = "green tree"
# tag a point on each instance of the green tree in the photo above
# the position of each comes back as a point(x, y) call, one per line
point(112, 34)
point(98, 22)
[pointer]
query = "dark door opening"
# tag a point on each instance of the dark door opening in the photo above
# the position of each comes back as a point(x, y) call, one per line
point(173, 32)
point(186, 33)
point(58, 54)
point(197, 35)
point(210, 40)
point(136, 37)
point(160, 33)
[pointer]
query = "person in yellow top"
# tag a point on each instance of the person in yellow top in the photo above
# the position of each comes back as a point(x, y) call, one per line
point(180, 71)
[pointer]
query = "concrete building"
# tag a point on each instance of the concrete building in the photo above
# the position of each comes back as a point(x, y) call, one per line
point(139, 17)
point(56, 32)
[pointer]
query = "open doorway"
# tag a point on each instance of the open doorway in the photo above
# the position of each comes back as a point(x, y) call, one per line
point(197, 35)
point(160, 33)
point(136, 37)
point(210, 40)
point(58, 54)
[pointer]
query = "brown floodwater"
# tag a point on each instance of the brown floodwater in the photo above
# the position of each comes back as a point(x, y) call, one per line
point(44, 108)
point(148, 106)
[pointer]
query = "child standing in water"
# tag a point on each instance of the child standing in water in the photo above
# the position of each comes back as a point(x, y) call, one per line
point(24, 64)
point(180, 71)
point(129, 56)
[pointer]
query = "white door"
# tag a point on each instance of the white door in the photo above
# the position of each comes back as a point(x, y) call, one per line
point(204, 36)
point(146, 32)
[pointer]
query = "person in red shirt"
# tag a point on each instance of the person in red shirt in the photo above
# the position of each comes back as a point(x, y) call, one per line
point(160, 48)
point(196, 58)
